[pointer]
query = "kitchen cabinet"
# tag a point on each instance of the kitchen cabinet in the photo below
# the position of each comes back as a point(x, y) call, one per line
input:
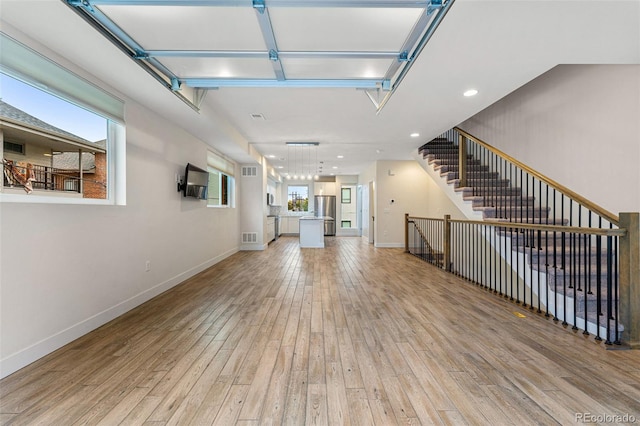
point(271, 229)
point(324, 188)
point(290, 225)
point(312, 232)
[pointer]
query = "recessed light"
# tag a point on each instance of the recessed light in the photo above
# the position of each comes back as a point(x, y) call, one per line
point(340, 156)
point(414, 135)
point(280, 167)
point(470, 92)
point(334, 167)
point(271, 156)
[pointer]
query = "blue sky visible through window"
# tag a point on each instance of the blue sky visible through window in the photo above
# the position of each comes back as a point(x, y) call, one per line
point(53, 110)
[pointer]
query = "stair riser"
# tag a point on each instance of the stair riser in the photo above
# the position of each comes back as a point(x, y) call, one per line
point(482, 184)
point(471, 175)
point(456, 169)
point(491, 213)
point(453, 162)
point(503, 204)
point(489, 191)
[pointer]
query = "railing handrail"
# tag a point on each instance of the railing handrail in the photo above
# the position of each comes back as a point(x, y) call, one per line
point(612, 218)
point(536, 226)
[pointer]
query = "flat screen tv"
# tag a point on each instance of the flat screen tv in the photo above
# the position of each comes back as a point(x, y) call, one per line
point(195, 183)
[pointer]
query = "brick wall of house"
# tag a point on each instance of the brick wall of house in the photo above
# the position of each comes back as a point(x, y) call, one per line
point(96, 185)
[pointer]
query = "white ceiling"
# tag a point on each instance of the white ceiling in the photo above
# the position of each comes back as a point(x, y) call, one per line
point(493, 46)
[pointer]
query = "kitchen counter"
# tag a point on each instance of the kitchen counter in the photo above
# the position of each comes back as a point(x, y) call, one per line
point(311, 232)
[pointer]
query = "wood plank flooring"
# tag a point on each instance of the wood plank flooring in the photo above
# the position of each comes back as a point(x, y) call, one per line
point(349, 334)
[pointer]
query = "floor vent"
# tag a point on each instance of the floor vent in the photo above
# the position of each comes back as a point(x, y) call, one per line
point(249, 171)
point(249, 237)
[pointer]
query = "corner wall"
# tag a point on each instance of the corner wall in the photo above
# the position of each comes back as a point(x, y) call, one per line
point(412, 191)
point(577, 124)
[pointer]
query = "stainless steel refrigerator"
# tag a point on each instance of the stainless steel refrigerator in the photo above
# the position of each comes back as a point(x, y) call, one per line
point(325, 206)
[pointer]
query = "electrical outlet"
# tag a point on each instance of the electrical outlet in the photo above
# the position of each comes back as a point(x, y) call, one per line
point(147, 266)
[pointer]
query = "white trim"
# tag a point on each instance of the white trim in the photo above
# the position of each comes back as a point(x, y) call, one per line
point(7, 197)
point(254, 247)
point(389, 245)
point(26, 356)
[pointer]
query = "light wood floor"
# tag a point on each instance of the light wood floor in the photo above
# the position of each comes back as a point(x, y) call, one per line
point(346, 335)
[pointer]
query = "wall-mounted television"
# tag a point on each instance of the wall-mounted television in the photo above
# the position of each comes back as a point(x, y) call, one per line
point(195, 182)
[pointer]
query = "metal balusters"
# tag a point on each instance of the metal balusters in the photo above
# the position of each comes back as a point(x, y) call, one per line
point(609, 315)
point(616, 288)
point(598, 284)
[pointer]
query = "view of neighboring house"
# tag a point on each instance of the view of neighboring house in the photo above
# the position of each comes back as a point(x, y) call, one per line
point(57, 160)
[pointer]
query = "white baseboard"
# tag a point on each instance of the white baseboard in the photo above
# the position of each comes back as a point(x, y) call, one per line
point(388, 245)
point(253, 247)
point(26, 356)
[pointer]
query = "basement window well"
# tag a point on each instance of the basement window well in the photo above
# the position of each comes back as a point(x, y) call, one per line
point(69, 132)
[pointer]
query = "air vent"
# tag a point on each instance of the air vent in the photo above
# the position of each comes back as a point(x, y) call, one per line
point(249, 237)
point(258, 117)
point(249, 171)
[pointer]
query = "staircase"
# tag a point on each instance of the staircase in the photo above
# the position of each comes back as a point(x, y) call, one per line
point(573, 277)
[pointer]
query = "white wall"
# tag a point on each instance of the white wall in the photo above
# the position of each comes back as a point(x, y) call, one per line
point(412, 192)
point(67, 269)
point(577, 124)
point(364, 179)
point(252, 203)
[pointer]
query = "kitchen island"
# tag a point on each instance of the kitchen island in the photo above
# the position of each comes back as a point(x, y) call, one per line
point(312, 231)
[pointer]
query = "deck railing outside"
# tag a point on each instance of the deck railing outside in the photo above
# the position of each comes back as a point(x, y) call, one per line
point(46, 178)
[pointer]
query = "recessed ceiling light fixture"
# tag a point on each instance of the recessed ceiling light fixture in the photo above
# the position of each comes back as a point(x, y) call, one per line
point(470, 92)
point(340, 156)
point(414, 135)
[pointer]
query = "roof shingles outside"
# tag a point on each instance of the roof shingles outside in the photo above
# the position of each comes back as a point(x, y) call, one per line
point(12, 113)
point(65, 160)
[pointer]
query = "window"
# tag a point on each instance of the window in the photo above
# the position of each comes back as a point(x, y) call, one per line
point(345, 224)
point(66, 126)
point(346, 195)
point(298, 198)
point(16, 148)
point(70, 185)
point(221, 188)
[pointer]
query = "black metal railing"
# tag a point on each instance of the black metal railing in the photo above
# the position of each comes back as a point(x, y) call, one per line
point(560, 253)
point(425, 238)
point(564, 284)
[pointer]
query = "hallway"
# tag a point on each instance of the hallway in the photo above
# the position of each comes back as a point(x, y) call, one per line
point(349, 334)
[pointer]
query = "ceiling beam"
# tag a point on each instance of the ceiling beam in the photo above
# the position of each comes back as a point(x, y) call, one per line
point(297, 83)
point(263, 54)
point(433, 26)
point(405, 54)
point(264, 20)
point(399, 4)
